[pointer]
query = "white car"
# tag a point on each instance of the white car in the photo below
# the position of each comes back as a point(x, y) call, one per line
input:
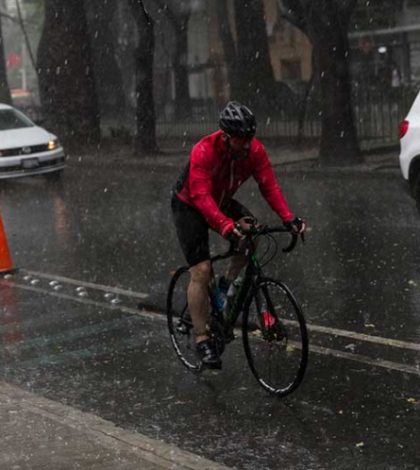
point(410, 149)
point(25, 148)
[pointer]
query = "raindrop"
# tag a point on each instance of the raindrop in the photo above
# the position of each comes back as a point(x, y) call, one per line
point(34, 282)
point(116, 301)
point(108, 295)
point(8, 276)
point(53, 283)
point(26, 278)
point(82, 293)
point(57, 287)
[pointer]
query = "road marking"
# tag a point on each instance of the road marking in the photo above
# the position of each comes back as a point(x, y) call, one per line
point(141, 313)
point(78, 354)
point(114, 290)
point(140, 295)
point(414, 370)
point(359, 336)
point(68, 335)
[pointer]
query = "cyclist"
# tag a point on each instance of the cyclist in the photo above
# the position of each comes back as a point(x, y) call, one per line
point(202, 198)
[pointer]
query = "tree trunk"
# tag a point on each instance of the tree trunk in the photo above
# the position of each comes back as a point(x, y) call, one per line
point(66, 82)
point(339, 142)
point(326, 25)
point(146, 123)
point(180, 65)
point(254, 65)
point(228, 44)
point(108, 74)
point(4, 86)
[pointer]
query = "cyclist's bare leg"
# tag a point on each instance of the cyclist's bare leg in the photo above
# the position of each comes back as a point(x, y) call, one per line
point(239, 261)
point(198, 299)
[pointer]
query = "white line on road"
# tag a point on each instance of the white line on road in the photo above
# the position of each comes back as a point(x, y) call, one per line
point(322, 329)
point(414, 370)
point(360, 336)
point(141, 313)
point(114, 290)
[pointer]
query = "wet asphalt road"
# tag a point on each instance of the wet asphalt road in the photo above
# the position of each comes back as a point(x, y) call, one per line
point(358, 273)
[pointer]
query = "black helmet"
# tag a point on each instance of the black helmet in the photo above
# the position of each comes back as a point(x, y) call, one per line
point(237, 120)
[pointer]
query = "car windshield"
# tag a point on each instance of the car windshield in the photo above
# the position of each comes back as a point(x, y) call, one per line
point(11, 119)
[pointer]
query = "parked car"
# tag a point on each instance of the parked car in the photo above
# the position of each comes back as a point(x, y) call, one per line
point(27, 149)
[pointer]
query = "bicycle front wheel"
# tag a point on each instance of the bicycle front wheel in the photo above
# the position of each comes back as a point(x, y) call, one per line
point(277, 348)
point(179, 320)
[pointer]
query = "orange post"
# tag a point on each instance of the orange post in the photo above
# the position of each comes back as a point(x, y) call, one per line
point(6, 264)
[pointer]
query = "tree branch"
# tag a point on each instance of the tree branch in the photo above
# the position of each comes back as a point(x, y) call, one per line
point(9, 17)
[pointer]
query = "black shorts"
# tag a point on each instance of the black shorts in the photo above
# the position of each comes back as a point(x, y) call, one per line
point(193, 230)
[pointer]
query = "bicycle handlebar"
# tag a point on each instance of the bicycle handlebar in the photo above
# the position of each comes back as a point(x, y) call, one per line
point(257, 231)
point(264, 230)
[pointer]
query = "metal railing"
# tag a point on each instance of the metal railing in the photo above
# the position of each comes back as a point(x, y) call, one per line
point(377, 116)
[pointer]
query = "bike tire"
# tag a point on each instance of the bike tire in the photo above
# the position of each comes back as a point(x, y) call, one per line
point(179, 323)
point(277, 351)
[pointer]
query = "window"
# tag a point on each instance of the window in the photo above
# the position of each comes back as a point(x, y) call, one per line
point(11, 119)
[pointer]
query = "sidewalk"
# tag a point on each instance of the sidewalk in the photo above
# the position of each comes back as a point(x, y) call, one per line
point(40, 434)
point(287, 157)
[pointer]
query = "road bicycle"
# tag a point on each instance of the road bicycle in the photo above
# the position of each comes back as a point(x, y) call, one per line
point(274, 331)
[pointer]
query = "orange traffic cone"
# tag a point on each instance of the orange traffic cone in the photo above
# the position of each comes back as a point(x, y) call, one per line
point(6, 264)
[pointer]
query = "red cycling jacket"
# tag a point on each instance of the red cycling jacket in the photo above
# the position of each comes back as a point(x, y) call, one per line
point(212, 177)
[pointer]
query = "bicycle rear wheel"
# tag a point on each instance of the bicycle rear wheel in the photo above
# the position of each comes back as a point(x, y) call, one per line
point(179, 320)
point(277, 351)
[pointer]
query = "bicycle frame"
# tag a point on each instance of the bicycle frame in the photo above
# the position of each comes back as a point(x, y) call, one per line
point(253, 270)
point(252, 299)
point(252, 274)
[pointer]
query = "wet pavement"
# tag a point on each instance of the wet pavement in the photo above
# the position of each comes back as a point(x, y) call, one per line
point(95, 245)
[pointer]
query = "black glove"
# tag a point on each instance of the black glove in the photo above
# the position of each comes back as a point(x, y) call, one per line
point(235, 234)
point(297, 225)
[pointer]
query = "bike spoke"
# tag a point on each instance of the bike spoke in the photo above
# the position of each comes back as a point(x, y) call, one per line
point(277, 351)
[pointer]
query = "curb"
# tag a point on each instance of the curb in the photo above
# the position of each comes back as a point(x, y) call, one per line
point(104, 433)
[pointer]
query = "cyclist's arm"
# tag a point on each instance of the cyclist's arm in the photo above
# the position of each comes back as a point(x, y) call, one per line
point(270, 188)
point(201, 192)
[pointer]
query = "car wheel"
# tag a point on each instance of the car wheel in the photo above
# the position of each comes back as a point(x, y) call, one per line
point(416, 190)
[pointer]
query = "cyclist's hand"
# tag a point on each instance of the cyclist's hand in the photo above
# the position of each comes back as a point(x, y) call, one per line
point(238, 232)
point(232, 232)
point(246, 224)
point(296, 226)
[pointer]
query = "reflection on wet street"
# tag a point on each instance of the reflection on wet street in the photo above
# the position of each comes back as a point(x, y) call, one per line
point(95, 246)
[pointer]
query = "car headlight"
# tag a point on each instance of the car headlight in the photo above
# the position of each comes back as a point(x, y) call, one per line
point(53, 144)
